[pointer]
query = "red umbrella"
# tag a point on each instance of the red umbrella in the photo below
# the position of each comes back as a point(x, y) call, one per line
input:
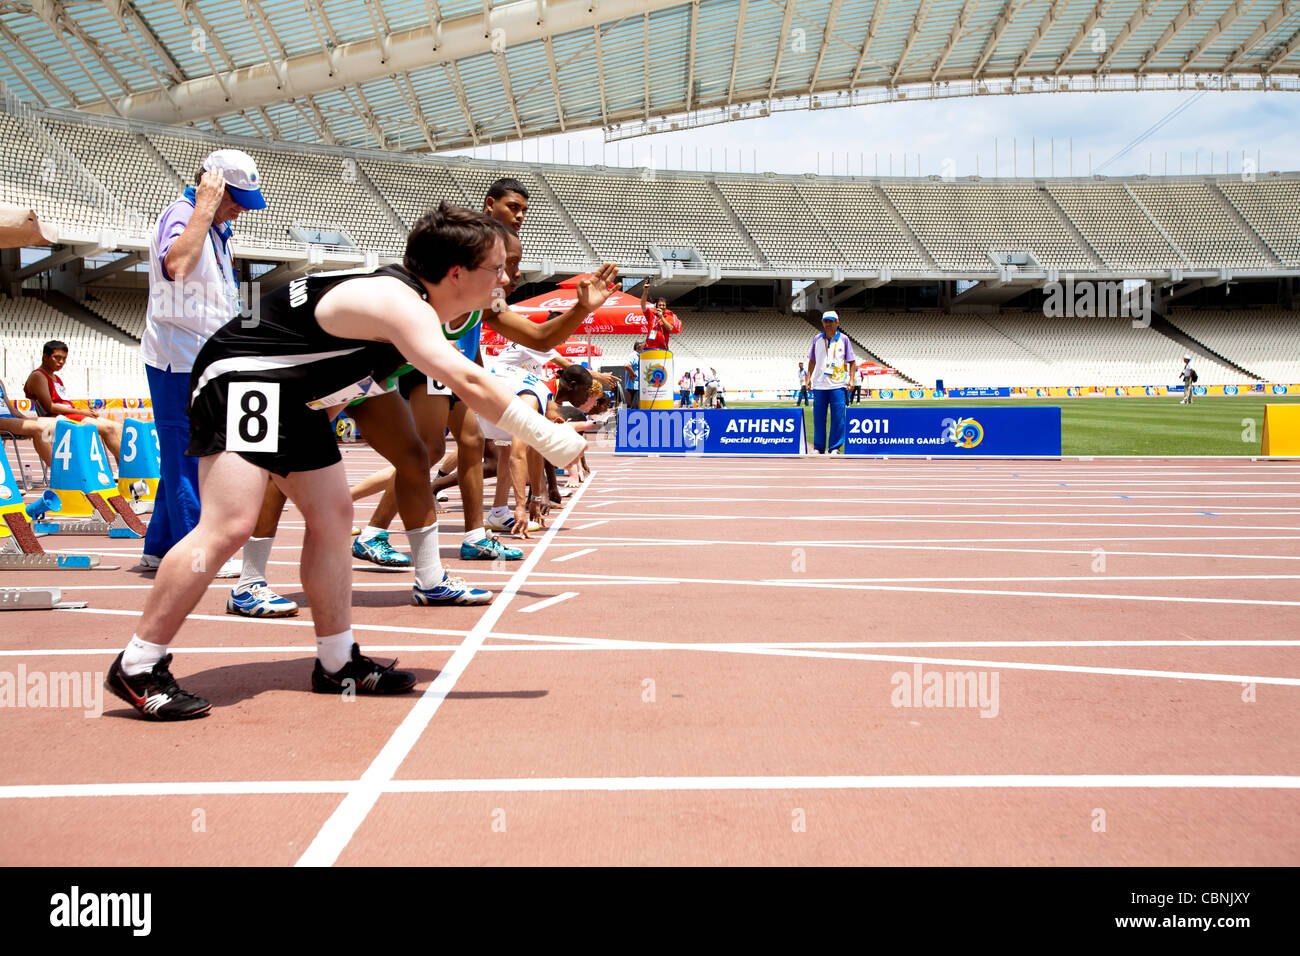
point(620, 314)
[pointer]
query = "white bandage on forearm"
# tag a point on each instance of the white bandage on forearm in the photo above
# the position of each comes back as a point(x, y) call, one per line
point(558, 444)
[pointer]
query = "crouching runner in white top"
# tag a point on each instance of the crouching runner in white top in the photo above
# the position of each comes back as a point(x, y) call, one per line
point(525, 467)
point(256, 396)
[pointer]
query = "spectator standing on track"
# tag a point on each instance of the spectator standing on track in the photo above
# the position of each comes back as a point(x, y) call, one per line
point(856, 395)
point(697, 380)
point(684, 384)
point(831, 364)
point(721, 393)
point(1189, 377)
point(44, 386)
point(192, 293)
point(711, 389)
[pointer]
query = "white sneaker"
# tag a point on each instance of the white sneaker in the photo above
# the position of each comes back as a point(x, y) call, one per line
point(442, 497)
point(232, 568)
point(149, 562)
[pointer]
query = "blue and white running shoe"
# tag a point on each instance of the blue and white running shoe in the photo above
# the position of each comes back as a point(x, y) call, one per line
point(489, 549)
point(451, 591)
point(258, 600)
point(378, 551)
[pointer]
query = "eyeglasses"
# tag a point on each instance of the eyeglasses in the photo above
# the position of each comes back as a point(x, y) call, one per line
point(499, 270)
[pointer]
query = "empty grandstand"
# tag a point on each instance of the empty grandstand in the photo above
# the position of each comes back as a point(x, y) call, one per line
point(969, 258)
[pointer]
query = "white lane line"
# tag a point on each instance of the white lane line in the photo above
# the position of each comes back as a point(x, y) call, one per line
point(342, 825)
point(603, 504)
point(599, 644)
point(1005, 781)
point(586, 527)
point(571, 555)
point(1117, 520)
point(540, 605)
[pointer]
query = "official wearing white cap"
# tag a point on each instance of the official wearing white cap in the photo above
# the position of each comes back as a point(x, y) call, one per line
point(193, 291)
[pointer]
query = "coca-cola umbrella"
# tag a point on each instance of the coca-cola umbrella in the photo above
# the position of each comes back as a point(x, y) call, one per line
point(494, 343)
point(620, 314)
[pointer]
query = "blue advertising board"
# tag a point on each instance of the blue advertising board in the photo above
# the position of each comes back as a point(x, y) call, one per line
point(711, 431)
point(979, 392)
point(942, 430)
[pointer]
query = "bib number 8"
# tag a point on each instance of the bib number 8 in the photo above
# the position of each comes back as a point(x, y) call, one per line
point(253, 417)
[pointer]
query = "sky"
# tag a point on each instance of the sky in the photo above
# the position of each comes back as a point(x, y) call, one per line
point(949, 137)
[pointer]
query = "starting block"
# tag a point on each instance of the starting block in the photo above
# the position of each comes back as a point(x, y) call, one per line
point(113, 517)
point(139, 468)
point(19, 549)
point(36, 599)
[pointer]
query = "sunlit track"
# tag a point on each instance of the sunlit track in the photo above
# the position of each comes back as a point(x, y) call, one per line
point(688, 655)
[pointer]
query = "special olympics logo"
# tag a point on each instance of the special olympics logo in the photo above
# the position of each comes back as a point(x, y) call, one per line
point(1230, 390)
point(695, 431)
point(964, 432)
point(656, 376)
point(1279, 389)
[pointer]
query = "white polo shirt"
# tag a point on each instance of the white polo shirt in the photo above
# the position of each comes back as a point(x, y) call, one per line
point(830, 361)
point(183, 315)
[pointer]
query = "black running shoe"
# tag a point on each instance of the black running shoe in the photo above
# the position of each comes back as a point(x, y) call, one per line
point(155, 694)
point(361, 675)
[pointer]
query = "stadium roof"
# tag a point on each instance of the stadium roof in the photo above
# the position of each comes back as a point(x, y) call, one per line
point(432, 75)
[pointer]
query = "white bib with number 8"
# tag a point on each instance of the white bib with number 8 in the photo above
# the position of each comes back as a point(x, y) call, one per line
point(253, 416)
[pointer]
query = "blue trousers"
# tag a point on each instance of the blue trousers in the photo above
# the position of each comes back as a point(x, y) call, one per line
point(176, 510)
point(822, 399)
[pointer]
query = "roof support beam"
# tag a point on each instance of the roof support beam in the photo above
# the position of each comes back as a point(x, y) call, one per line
point(876, 12)
point(600, 75)
point(831, 16)
point(1228, 18)
point(1269, 24)
point(780, 47)
point(1084, 31)
point(735, 48)
point(1044, 25)
point(1135, 21)
point(1009, 10)
point(353, 63)
point(917, 22)
point(453, 75)
point(555, 83)
point(958, 27)
point(38, 65)
point(1283, 51)
point(1177, 23)
point(690, 58)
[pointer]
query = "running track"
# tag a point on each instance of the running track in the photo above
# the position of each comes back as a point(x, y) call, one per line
point(696, 665)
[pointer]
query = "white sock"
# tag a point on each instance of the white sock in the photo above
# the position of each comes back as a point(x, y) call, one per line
point(369, 531)
point(140, 656)
point(257, 552)
point(424, 556)
point(334, 650)
point(475, 535)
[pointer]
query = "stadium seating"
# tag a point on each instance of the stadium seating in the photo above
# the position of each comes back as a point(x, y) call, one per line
point(98, 366)
point(1115, 226)
point(1198, 225)
point(1272, 209)
point(961, 223)
point(121, 309)
point(1266, 343)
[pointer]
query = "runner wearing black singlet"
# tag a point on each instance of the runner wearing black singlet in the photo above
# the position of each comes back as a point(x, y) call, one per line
point(260, 401)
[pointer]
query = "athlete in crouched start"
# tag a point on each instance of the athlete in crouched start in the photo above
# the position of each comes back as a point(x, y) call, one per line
point(260, 401)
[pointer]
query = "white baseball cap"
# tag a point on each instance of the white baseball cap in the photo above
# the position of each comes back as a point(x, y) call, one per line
point(830, 316)
point(240, 171)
